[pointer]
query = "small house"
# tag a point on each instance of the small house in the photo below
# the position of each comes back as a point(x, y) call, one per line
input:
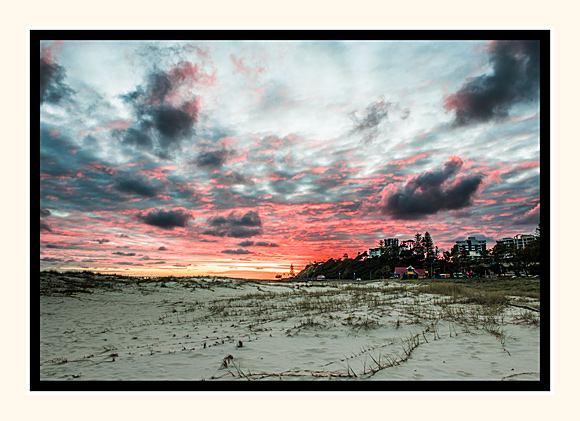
point(409, 272)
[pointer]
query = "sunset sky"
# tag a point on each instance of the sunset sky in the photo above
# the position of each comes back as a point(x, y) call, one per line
point(234, 158)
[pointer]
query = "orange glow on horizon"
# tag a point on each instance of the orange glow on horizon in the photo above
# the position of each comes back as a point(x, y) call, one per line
point(244, 270)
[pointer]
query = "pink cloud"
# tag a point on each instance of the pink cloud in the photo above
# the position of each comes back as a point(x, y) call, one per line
point(50, 50)
point(410, 160)
point(112, 125)
point(515, 199)
point(241, 67)
point(532, 216)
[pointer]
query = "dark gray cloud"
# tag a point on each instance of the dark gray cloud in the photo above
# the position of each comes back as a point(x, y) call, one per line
point(265, 244)
point(238, 251)
point(235, 232)
point(370, 119)
point(57, 154)
point(431, 192)
point(136, 185)
point(159, 86)
point(514, 78)
point(61, 160)
point(140, 138)
point(349, 208)
point(530, 216)
point(44, 226)
point(102, 240)
point(120, 253)
point(242, 232)
point(245, 226)
point(250, 243)
point(161, 125)
point(162, 248)
point(249, 219)
point(372, 116)
point(44, 212)
point(166, 219)
point(233, 178)
point(51, 259)
point(213, 160)
point(128, 264)
point(172, 123)
point(53, 86)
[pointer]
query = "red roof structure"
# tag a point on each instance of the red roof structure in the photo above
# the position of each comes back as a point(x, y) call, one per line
point(401, 271)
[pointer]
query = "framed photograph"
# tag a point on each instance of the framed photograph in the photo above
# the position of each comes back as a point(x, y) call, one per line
point(291, 210)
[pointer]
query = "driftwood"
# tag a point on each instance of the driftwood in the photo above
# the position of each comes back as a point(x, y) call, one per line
point(523, 306)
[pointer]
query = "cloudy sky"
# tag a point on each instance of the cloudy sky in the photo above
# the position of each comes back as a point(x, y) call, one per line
point(241, 158)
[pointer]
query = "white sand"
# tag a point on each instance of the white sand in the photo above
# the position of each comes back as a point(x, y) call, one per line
point(288, 331)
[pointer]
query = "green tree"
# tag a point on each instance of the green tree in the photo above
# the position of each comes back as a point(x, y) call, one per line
point(528, 258)
point(384, 272)
point(418, 250)
point(428, 247)
point(503, 257)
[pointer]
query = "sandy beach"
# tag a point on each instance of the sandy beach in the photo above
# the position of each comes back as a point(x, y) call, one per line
point(99, 327)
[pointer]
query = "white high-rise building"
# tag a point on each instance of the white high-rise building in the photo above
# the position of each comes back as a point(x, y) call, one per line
point(519, 241)
point(471, 247)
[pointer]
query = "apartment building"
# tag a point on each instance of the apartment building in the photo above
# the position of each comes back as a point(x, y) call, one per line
point(388, 244)
point(471, 247)
point(519, 241)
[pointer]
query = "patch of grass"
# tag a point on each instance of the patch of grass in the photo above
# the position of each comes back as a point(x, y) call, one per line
point(520, 287)
point(465, 294)
point(361, 322)
point(308, 322)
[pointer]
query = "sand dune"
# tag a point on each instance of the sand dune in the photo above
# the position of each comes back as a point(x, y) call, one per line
point(218, 329)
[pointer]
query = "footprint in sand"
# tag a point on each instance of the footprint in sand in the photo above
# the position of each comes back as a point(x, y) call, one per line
point(465, 374)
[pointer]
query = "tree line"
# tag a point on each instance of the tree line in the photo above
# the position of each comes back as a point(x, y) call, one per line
point(422, 253)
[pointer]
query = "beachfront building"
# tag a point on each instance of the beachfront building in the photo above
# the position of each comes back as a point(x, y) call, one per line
point(519, 241)
point(409, 272)
point(472, 247)
point(388, 244)
point(407, 245)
